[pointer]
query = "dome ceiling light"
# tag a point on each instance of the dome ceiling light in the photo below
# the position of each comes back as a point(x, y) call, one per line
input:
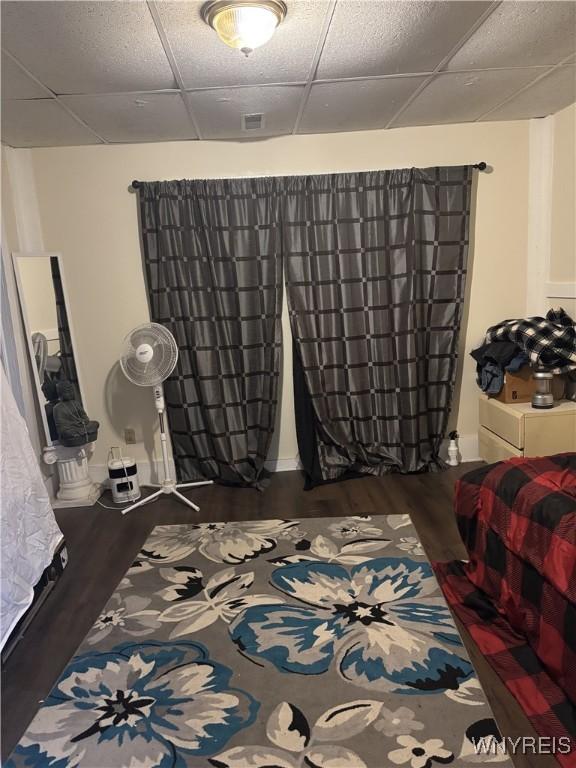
point(244, 24)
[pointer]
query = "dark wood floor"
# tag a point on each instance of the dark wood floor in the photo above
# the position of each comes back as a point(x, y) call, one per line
point(102, 544)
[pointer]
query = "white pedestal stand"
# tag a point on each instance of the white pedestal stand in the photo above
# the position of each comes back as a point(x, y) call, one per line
point(76, 486)
point(168, 485)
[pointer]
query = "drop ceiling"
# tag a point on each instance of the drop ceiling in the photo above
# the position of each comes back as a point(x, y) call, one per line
point(116, 71)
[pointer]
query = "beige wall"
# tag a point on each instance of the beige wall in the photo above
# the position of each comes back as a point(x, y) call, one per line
point(563, 230)
point(90, 217)
point(9, 228)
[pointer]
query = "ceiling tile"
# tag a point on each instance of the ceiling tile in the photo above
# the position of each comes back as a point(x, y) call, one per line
point(87, 47)
point(549, 95)
point(219, 112)
point(204, 61)
point(16, 84)
point(41, 123)
point(521, 34)
point(460, 97)
point(383, 38)
point(128, 117)
point(356, 105)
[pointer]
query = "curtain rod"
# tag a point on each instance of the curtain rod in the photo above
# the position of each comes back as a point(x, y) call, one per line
point(479, 166)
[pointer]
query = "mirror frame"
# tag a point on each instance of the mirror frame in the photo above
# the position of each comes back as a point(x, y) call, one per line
point(16, 255)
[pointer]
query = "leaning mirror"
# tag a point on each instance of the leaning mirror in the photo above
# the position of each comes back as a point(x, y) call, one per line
point(49, 335)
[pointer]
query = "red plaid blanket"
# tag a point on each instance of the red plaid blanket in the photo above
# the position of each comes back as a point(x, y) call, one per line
point(530, 505)
point(517, 595)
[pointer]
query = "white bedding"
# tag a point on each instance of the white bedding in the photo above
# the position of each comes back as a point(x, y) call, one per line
point(29, 532)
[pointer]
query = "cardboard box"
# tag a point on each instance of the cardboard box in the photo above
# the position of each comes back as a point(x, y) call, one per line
point(518, 387)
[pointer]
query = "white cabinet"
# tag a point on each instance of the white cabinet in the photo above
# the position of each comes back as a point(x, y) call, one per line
point(517, 429)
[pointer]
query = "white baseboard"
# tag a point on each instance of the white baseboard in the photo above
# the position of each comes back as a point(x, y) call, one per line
point(283, 465)
point(467, 446)
point(149, 472)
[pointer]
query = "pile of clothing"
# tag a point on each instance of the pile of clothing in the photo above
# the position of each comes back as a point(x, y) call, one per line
point(493, 360)
point(544, 342)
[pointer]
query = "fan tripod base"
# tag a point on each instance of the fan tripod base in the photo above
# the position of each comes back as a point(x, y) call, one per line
point(169, 487)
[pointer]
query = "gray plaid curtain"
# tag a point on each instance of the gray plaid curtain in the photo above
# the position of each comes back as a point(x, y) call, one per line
point(214, 272)
point(375, 268)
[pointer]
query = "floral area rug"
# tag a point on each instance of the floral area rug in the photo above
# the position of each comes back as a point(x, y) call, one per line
point(317, 643)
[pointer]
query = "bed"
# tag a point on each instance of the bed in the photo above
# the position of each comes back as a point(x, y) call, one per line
point(29, 533)
point(517, 593)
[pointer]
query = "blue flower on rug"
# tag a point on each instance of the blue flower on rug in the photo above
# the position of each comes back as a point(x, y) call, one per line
point(375, 622)
point(138, 705)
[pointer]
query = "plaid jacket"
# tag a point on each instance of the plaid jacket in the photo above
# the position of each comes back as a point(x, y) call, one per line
point(549, 342)
point(517, 595)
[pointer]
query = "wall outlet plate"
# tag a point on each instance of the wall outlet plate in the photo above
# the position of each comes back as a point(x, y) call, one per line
point(129, 436)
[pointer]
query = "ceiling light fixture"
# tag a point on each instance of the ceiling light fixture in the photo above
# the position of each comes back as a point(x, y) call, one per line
point(244, 24)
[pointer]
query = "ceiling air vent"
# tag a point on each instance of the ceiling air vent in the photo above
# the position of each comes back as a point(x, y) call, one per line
point(254, 122)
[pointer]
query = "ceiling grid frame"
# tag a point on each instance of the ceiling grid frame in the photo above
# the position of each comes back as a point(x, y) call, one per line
point(53, 96)
point(328, 16)
point(439, 68)
point(541, 70)
point(173, 64)
point(563, 63)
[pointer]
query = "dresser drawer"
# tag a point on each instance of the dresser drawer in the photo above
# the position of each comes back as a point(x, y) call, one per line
point(505, 422)
point(492, 448)
point(549, 432)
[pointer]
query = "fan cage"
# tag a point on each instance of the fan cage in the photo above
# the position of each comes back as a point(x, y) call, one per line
point(164, 355)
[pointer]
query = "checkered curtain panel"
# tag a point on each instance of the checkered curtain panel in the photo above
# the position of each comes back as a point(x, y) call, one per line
point(213, 268)
point(68, 370)
point(375, 273)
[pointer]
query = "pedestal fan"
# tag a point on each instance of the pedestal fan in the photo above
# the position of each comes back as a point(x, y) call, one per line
point(149, 355)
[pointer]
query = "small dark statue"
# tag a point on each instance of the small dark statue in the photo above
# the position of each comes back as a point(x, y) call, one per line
point(72, 423)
